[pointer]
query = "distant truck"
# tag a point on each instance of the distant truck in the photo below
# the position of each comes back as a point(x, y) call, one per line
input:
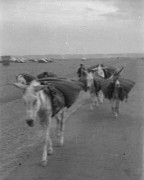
point(22, 60)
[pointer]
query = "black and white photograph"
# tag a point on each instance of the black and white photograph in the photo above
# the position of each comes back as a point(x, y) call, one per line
point(71, 90)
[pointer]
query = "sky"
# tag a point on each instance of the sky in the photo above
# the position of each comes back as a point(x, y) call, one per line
point(30, 27)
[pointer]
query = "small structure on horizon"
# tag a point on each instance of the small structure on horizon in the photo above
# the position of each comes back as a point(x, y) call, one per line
point(42, 60)
point(5, 60)
point(84, 59)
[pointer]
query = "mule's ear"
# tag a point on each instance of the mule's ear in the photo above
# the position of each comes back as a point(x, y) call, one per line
point(20, 86)
point(39, 87)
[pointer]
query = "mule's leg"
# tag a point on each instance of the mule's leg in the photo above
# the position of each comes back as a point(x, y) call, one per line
point(100, 97)
point(117, 107)
point(60, 127)
point(47, 141)
point(113, 105)
point(94, 101)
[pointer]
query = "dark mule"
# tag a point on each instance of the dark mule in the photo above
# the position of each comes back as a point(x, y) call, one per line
point(116, 89)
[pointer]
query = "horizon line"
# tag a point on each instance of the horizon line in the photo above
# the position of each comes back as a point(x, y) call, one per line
point(73, 54)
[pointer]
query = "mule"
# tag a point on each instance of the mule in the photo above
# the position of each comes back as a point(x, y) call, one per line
point(117, 90)
point(94, 89)
point(43, 102)
point(39, 105)
point(96, 94)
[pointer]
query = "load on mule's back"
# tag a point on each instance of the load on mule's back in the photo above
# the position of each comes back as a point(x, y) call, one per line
point(46, 74)
point(46, 101)
point(103, 71)
point(25, 78)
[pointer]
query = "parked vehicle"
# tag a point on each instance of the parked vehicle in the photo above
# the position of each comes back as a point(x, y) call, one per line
point(42, 61)
point(17, 60)
point(22, 60)
point(49, 60)
point(32, 60)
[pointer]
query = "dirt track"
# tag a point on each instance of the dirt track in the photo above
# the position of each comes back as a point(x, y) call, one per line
point(97, 146)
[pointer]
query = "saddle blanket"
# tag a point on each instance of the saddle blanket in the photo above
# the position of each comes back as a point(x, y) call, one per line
point(57, 98)
point(70, 90)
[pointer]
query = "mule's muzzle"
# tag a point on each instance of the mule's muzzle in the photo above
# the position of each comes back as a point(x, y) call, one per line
point(30, 122)
point(88, 88)
point(117, 85)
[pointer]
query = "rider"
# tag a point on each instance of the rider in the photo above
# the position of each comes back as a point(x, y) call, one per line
point(81, 70)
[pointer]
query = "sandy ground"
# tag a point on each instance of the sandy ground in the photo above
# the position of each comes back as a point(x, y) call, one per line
point(97, 146)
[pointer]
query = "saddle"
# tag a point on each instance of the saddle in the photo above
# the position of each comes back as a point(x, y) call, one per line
point(57, 98)
point(69, 88)
point(122, 93)
point(46, 74)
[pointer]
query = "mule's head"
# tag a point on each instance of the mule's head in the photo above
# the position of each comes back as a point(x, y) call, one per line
point(117, 83)
point(31, 99)
point(20, 79)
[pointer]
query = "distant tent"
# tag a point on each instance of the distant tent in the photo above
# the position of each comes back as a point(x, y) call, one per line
point(83, 59)
point(49, 60)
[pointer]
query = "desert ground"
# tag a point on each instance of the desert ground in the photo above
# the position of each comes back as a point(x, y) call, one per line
point(97, 146)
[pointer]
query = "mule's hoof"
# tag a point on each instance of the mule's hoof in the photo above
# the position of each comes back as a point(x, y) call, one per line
point(50, 151)
point(61, 142)
point(44, 163)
